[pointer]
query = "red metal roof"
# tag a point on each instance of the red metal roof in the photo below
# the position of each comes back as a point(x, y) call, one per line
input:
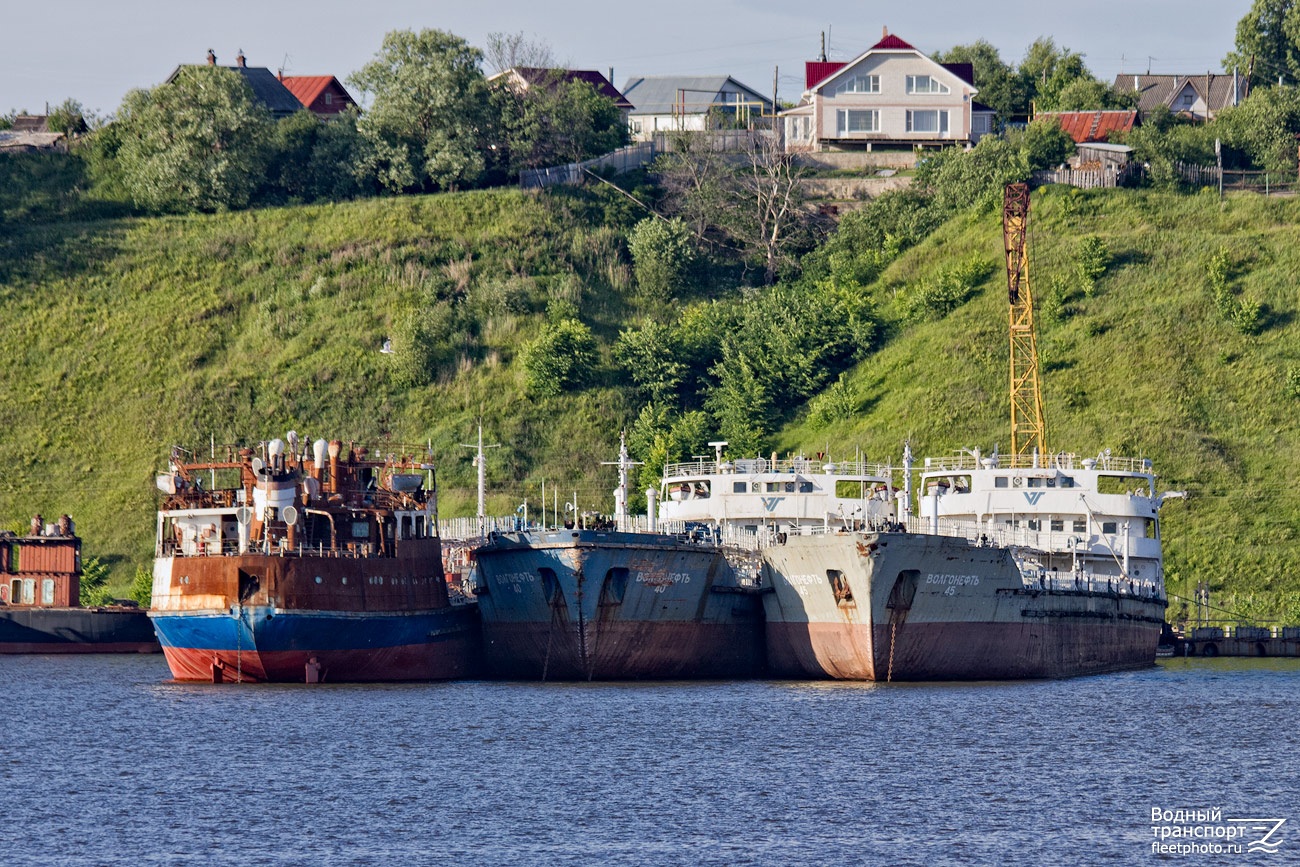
point(892, 41)
point(306, 87)
point(1093, 126)
point(815, 70)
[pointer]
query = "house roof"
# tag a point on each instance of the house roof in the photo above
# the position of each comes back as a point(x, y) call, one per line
point(30, 123)
point(890, 42)
point(534, 74)
point(658, 94)
point(1216, 91)
point(308, 88)
point(1093, 126)
point(267, 89)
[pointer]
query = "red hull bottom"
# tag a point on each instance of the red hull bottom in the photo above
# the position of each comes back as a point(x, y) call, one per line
point(958, 651)
point(624, 651)
point(448, 660)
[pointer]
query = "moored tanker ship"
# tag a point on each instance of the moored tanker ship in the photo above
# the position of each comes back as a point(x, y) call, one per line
point(320, 565)
point(1012, 571)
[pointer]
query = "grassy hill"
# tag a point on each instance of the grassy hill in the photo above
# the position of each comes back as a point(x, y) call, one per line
point(121, 336)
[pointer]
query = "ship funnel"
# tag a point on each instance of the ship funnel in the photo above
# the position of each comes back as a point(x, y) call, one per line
point(318, 454)
point(335, 447)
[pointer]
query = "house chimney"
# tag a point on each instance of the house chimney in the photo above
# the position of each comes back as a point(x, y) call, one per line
point(884, 32)
point(239, 59)
point(611, 76)
point(212, 57)
point(1136, 86)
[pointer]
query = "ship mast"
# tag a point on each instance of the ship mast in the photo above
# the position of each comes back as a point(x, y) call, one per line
point(1028, 431)
point(481, 464)
point(624, 463)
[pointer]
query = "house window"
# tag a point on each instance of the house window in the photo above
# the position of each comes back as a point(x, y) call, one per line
point(850, 121)
point(798, 128)
point(329, 99)
point(933, 121)
point(859, 84)
point(1188, 99)
point(925, 84)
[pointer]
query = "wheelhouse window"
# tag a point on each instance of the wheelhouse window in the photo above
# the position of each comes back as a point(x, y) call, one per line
point(933, 121)
point(1080, 526)
point(1108, 527)
point(1058, 526)
point(853, 120)
point(859, 84)
point(1000, 481)
point(926, 84)
point(740, 487)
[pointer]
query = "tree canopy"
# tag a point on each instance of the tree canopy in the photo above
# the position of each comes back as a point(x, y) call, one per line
point(430, 123)
point(1268, 42)
point(197, 143)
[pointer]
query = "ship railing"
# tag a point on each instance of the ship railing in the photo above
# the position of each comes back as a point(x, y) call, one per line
point(965, 461)
point(806, 466)
point(281, 548)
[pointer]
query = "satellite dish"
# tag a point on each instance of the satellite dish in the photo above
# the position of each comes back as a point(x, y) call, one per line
point(258, 466)
point(244, 515)
point(290, 515)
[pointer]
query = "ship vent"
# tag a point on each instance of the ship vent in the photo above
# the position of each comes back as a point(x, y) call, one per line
point(611, 592)
point(840, 586)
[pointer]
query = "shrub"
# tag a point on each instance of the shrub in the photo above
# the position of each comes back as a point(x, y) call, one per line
point(142, 587)
point(836, 403)
point(1293, 381)
point(946, 291)
point(1092, 260)
point(94, 574)
point(560, 358)
point(662, 253)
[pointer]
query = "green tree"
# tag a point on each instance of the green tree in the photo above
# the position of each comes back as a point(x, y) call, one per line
point(649, 355)
point(69, 118)
point(312, 160)
point(196, 143)
point(553, 121)
point(1264, 128)
point(963, 179)
point(999, 86)
point(662, 254)
point(1089, 94)
point(94, 575)
point(1268, 39)
point(1047, 69)
point(1044, 144)
point(563, 356)
point(429, 124)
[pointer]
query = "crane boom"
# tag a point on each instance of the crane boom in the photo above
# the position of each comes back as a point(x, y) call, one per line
point(1028, 431)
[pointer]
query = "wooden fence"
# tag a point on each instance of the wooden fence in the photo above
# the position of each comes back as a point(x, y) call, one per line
point(1235, 179)
point(622, 160)
point(1088, 179)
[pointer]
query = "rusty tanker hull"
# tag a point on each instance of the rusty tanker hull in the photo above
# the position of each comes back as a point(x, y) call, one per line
point(909, 606)
point(269, 618)
point(588, 605)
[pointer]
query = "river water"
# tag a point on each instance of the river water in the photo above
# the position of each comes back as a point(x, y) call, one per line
point(103, 760)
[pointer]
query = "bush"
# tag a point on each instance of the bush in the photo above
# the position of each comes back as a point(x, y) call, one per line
point(836, 403)
point(946, 291)
point(1045, 145)
point(662, 253)
point(972, 179)
point(142, 587)
point(560, 358)
point(94, 574)
point(1092, 260)
point(1292, 383)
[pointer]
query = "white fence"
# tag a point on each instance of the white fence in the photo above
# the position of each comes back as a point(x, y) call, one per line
point(622, 160)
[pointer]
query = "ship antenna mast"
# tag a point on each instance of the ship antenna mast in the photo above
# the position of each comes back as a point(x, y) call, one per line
point(624, 463)
point(1028, 431)
point(481, 463)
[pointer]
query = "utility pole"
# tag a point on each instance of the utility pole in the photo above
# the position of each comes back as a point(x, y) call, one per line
point(776, 70)
point(624, 463)
point(481, 464)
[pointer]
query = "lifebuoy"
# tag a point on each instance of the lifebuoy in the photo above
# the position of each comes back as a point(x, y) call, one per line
point(1017, 481)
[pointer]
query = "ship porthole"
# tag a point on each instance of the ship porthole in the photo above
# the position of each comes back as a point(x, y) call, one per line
point(345, 580)
point(318, 579)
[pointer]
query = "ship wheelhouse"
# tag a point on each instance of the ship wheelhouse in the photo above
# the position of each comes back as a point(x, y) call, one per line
point(1095, 518)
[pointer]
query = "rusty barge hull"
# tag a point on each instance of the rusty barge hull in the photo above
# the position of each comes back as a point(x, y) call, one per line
point(76, 630)
point(255, 617)
point(588, 605)
point(902, 606)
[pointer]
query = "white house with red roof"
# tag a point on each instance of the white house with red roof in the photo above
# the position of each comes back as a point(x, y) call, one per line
point(322, 95)
point(890, 94)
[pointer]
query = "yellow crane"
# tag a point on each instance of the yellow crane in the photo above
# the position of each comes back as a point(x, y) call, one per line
point(1028, 432)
